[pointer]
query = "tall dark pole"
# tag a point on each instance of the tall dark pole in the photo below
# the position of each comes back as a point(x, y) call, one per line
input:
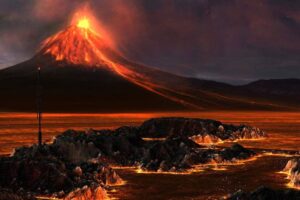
point(39, 102)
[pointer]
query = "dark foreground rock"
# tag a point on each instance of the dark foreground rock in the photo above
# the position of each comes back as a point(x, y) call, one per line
point(264, 193)
point(125, 147)
point(8, 194)
point(76, 164)
point(41, 171)
point(292, 169)
point(200, 130)
point(175, 155)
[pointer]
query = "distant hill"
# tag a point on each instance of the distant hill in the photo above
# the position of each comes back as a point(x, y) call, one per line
point(277, 87)
point(286, 91)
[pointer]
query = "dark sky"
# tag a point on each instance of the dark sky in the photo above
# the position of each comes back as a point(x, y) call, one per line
point(234, 41)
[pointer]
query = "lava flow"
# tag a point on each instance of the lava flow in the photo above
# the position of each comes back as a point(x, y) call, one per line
point(78, 44)
point(81, 44)
point(85, 44)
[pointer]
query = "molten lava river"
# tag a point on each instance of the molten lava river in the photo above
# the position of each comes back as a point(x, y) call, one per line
point(18, 129)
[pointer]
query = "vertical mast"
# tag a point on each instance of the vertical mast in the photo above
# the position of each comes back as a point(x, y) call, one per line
point(39, 112)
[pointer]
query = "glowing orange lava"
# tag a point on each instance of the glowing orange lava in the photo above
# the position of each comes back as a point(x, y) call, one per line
point(85, 43)
point(82, 44)
point(84, 23)
point(78, 44)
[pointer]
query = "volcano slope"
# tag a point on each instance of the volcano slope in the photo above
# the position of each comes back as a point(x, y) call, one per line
point(80, 72)
point(76, 88)
point(76, 77)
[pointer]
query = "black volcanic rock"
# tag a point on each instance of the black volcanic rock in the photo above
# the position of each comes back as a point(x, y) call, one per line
point(76, 164)
point(171, 154)
point(236, 152)
point(121, 146)
point(264, 193)
point(197, 129)
point(179, 154)
point(125, 146)
point(40, 171)
point(8, 194)
point(121, 149)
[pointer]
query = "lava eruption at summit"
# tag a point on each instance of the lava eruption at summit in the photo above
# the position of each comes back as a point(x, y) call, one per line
point(78, 44)
point(81, 44)
point(84, 23)
point(82, 73)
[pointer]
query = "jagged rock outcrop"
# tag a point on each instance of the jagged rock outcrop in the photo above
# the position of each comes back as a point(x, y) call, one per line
point(75, 152)
point(76, 164)
point(292, 169)
point(125, 147)
point(264, 193)
point(118, 147)
point(177, 155)
point(43, 171)
point(200, 130)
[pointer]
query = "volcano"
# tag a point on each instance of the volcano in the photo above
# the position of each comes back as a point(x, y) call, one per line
point(82, 73)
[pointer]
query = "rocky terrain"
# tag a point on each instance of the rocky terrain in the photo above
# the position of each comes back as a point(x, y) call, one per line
point(292, 169)
point(77, 164)
point(123, 147)
point(264, 193)
point(42, 171)
point(178, 151)
point(199, 130)
point(8, 194)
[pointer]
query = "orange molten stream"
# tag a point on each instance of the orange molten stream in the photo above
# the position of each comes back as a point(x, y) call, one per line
point(80, 44)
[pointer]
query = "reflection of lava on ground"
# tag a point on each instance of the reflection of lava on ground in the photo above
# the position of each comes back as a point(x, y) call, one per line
point(211, 181)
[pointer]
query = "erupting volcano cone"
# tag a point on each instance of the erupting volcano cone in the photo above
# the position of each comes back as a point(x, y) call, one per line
point(78, 44)
point(82, 73)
